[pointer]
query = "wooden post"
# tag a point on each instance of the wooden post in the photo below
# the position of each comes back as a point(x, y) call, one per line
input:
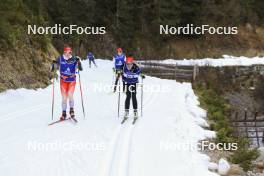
point(194, 72)
point(245, 119)
point(150, 68)
point(255, 115)
point(236, 116)
point(262, 136)
point(175, 72)
point(256, 128)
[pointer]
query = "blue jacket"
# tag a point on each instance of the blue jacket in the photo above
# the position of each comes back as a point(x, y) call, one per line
point(90, 56)
point(119, 61)
point(131, 76)
point(67, 68)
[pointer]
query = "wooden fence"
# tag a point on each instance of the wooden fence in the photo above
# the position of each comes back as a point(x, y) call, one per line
point(249, 125)
point(190, 73)
point(246, 124)
point(170, 71)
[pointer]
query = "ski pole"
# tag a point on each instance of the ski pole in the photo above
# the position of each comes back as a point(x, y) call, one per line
point(53, 86)
point(80, 83)
point(142, 98)
point(113, 77)
point(118, 110)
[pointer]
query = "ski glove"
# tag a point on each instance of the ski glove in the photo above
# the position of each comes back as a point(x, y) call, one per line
point(143, 76)
point(119, 72)
point(79, 64)
point(54, 65)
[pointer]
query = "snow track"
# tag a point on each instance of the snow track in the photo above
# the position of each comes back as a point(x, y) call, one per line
point(119, 157)
point(169, 117)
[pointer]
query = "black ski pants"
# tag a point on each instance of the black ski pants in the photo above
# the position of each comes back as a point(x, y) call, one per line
point(90, 62)
point(131, 91)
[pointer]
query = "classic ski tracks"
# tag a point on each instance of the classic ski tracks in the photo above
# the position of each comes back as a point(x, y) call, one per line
point(118, 158)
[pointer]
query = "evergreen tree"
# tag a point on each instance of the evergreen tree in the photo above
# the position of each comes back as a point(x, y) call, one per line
point(125, 22)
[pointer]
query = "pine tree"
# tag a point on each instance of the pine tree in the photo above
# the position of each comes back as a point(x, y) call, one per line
point(125, 22)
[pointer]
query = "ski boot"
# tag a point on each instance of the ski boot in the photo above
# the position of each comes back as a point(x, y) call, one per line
point(114, 90)
point(125, 116)
point(135, 116)
point(71, 112)
point(63, 116)
point(72, 115)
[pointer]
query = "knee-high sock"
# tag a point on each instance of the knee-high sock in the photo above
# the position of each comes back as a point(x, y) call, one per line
point(70, 94)
point(64, 103)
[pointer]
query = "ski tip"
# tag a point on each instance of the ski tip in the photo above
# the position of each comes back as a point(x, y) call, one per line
point(124, 120)
point(134, 121)
point(74, 119)
point(111, 93)
point(58, 121)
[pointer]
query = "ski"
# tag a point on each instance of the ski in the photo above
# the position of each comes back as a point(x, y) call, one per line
point(123, 121)
point(58, 121)
point(74, 119)
point(111, 93)
point(134, 121)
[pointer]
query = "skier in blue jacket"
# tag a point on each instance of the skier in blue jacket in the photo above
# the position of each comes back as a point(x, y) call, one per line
point(91, 59)
point(119, 61)
point(67, 65)
point(131, 73)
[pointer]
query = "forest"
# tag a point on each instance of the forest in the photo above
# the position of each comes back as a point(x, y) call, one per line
point(128, 22)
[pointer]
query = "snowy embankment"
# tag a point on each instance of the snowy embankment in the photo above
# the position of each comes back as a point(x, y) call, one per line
point(225, 61)
point(99, 145)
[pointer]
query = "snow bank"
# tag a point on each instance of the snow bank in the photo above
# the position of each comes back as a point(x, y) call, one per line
point(225, 61)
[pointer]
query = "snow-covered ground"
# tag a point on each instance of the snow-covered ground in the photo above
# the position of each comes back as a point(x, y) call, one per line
point(99, 145)
point(225, 61)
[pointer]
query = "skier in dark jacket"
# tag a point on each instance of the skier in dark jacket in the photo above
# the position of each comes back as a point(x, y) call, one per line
point(119, 61)
point(91, 59)
point(131, 73)
point(67, 65)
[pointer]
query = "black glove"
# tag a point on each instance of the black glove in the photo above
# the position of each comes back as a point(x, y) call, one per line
point(78, 58)
point(143, 76)
point(79, 65)
point(53, 66)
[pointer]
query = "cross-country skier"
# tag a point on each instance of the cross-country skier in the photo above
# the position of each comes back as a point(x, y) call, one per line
point(131, 73)
point(91, 59)
point(119, 61)
point(68, 65)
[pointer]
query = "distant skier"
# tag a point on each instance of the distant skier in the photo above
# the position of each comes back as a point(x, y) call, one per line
point(91, 59)
point(119, 61)
point(131, 73)
point(67, 64)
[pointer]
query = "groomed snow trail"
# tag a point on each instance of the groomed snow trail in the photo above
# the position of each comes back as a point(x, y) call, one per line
point(226, 60)
point(100, 145)
point(119, 157)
